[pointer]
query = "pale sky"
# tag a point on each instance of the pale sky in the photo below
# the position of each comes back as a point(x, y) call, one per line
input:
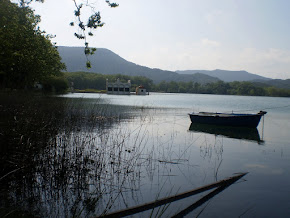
point(251, 35)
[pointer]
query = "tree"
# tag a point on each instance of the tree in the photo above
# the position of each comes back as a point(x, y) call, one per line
point(173, 87)
point(55, 84)
point(162, 86)
point(141, 80)
point(26, 53)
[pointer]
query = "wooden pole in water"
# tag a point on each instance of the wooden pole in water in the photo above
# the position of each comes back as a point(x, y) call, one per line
point(150, 205)
point(263, 129)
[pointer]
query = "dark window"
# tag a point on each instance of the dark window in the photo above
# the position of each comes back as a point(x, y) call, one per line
point(115, 89)
point(141, 90)
point(121, 89)
point(110, 89)
point(126, 89)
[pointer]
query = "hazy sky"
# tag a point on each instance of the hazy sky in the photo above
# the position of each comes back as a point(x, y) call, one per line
point(251, 35)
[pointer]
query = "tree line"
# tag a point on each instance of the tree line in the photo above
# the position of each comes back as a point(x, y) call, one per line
point(83, 80)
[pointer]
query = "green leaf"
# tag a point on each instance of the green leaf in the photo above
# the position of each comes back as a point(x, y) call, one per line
point(88, 65)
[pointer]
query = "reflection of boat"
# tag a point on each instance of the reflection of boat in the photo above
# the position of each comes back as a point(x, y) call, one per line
point(228, 119)
point(246, 133)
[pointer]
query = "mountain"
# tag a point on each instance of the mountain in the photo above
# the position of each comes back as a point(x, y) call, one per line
point(105, 61)
point(226, 75)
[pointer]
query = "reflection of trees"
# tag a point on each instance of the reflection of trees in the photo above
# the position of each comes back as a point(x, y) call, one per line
point(62, 158)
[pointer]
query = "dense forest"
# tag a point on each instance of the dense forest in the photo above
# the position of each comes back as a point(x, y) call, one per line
point(84, 81)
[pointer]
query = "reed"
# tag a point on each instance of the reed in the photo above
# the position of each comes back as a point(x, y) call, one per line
point(66, 157)
point(82, 157)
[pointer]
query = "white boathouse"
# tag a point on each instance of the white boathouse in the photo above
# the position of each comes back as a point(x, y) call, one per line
point(118, 88)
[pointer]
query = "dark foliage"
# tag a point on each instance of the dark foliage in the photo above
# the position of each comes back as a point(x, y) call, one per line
point(27, 55)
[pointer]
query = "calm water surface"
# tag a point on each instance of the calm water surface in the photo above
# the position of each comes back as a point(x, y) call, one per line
point(178, 158)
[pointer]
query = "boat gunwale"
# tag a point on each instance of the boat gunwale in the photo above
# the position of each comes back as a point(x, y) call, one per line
point(213, 114)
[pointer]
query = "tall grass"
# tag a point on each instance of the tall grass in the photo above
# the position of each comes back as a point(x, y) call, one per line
point(64, 155)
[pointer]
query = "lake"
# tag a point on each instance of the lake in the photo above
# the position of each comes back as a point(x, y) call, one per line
point(153, 152)
point(203, 157)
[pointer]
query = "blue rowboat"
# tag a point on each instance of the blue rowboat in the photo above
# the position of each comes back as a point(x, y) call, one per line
point(227, 119)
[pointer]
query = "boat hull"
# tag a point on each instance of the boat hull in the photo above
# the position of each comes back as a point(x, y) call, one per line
point(242, 120)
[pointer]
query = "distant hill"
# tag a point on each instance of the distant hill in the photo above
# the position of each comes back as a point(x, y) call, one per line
point(105, 61)
point(226, 75)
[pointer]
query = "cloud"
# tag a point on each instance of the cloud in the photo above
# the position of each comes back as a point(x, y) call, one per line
point(268, 55)
point(272, 61)
point(212, 16)
point(208, 42)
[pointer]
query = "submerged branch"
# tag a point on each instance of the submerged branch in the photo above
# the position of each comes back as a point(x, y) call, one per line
point(221, 184)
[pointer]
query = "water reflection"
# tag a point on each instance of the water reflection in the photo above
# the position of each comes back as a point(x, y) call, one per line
point(250, 134)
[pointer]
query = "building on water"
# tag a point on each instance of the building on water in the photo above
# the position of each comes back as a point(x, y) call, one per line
point(140, 90)
point(118, 88)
